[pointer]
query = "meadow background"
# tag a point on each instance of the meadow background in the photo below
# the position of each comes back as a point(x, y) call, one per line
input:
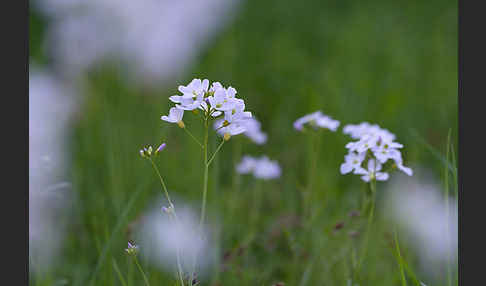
point(393, 63)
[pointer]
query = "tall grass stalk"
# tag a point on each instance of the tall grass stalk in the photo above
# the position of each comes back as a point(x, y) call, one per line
point(399, 259)
point(145, 279)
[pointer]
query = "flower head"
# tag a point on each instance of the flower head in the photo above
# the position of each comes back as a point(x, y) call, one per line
point(261, 168)
point(146, 152)
point(160, 148)
point(376, 146)
point(175, 116)
point(316, 120)
point(213, 102)
point(132, 249)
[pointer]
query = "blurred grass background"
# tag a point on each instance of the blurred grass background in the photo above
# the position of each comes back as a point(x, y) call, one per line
point(393, 63)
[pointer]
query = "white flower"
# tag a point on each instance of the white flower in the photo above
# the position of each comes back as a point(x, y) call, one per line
point(254, 132)
point(223, 100)
point(352, 161)
point(317, 119)
point(246, 165)
point(266, 169)
point(262, 168)
point(175, 115)
point(192, 94)
point(359, 130)
point(375, 142)
point(372, 172)
point(250, 127)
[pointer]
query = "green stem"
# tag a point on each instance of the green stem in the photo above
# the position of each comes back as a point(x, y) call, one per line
point(205, 189)
point(370, 221)
point(162, 182)
point(215, 152)
point(400, 264)
point(179, 268)
point(193, 137)
point(141, 270)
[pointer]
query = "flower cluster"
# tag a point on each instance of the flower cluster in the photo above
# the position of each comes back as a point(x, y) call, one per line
point(148, 151)
point(252, 130)
point(316, 120)
point(214, 101)
point(261, 168)
point(374, 148)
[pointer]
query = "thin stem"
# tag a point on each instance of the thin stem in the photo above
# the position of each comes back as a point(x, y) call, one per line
point(193, 137)
point(179, 268)
point(162, 182)
point(205, 189)
point(215, 152)
point(206, 167)
point(370, 221)
point(141, 270)
point(118, 272)
point(400, 264)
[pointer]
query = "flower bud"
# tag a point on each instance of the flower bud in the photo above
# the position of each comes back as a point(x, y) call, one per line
point(226, 136)
point(181, 124)
point(161, 147)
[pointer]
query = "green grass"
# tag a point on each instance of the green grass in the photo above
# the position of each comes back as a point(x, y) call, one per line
point(390, 63)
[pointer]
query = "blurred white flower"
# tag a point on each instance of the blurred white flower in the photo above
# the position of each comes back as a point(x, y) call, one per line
point(149, 36)
point(419, 208)
point(250, 127)
point(246, 165)
point(317, 119)
point(50, 106)
point(261, 168)
point(160, 237)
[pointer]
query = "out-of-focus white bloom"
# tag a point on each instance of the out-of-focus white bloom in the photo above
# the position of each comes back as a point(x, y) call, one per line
point(175, 115)
point(357, 131)
point(250, 127)
point(417, 205)
point(261, 168)
point(317, 119)
point(254, 132)
point(161, 237)
point(51, 104)
point(246, 165)
point(374, 143)
point(373, 172)
point(150, 36)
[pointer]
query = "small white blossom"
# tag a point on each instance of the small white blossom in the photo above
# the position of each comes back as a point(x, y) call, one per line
point(250, 127)
point(175, 115)
point(373, 172)
point(317, 119)
point(261, 168)
point(223, 100)
point(352, 162)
